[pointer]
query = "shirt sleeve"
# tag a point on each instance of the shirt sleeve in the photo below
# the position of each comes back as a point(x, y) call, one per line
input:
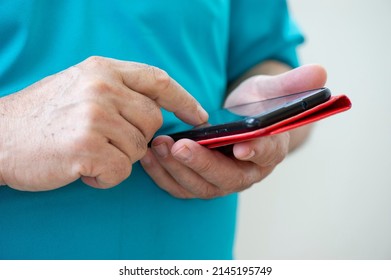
point(261, 30)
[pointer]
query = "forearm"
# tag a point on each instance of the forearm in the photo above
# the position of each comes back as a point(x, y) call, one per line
point(297, 136)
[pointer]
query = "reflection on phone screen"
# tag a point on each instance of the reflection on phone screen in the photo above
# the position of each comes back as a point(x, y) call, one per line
point(254, 109)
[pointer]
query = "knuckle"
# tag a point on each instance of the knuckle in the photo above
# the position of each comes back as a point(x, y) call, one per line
point(180, 194)
point(205, 167)
point(94, 61)
point(84, 165)
point(159, 121)
point(156, 120)
point(275, 150)
point(120, 170)
point(281, 148)
point(95, 88)
point(140, 145)
point(244, 182)
point(153, 121)
point(161, 79)
point(211, 194)
point(206, 191)
point(114, 171)
point(239, 182)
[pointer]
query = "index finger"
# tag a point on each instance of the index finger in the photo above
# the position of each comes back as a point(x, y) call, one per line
point(156, 84)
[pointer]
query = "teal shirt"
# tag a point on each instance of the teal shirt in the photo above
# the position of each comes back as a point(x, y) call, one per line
point(203, 45)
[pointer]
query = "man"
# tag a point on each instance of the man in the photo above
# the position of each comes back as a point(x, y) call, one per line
point(89, 124)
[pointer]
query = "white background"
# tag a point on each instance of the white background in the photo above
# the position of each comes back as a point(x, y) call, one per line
point(332, 198)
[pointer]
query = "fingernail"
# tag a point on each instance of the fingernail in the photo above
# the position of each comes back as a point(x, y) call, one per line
point(161, 150)
point(204, 116)
point(248, 155)
point(183, 154)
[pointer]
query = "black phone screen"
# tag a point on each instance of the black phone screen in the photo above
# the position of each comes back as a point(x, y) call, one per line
point(256, 115)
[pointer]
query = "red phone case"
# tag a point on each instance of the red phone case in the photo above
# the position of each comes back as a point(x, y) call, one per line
point(335, 105)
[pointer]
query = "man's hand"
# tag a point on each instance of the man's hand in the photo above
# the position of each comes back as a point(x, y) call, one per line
point(186, 169)
point(91, 121)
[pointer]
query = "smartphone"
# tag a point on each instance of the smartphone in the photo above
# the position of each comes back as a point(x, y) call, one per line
point(256, 115)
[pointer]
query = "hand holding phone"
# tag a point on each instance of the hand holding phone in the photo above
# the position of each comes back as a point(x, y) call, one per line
point(271, 116)
point(253, 116)
point(190, 169)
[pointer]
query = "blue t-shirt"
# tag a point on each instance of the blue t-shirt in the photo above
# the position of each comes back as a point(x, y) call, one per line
point(203, 45)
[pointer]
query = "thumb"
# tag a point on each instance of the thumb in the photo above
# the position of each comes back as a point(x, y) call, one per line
point(261, 87)
point(303, 78)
